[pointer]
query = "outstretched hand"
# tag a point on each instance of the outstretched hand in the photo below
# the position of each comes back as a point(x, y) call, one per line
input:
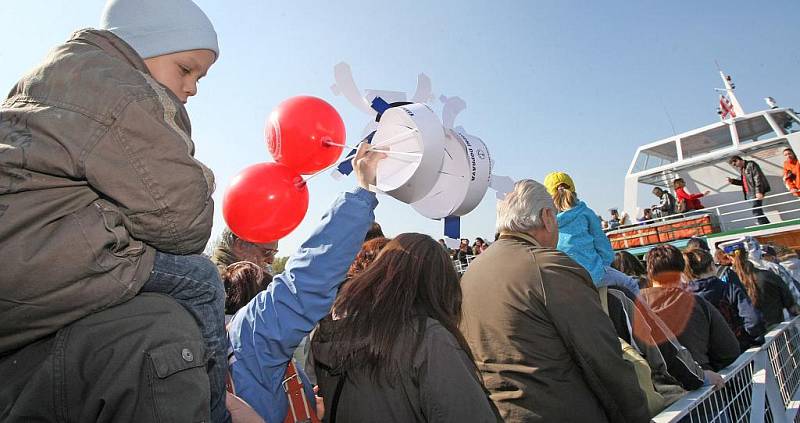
point(365, 164)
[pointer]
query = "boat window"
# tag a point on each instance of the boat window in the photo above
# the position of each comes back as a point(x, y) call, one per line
point(754, 129)
point(706, 141)
point(785, 121)
point(656, 156)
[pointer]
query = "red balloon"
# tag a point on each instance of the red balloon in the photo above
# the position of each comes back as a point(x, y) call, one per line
point(264, 202)
point(300, 132)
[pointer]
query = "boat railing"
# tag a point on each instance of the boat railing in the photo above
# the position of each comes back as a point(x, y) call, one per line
point(460, 266)
point(732, 210)
point(761, 385)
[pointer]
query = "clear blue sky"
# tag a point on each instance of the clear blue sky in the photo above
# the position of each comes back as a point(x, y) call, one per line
point(549, 85)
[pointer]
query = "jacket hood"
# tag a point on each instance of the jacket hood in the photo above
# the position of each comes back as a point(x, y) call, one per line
point(703, 284)
point(666, 298)
point(568, 216)
point(711, 288)
point(111, 44)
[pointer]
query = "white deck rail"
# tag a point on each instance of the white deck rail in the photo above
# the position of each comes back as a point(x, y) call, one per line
point(742, 209)
point(761, 386)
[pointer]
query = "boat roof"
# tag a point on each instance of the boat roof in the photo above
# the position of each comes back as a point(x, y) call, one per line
point(750, 133)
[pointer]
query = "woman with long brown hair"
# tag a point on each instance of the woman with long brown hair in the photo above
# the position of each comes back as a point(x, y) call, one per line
point(393, 351)
point(767, 290)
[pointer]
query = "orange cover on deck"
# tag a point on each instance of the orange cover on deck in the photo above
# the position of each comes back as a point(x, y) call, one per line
point(685, 229)
point(665, 232)
point(633, 238)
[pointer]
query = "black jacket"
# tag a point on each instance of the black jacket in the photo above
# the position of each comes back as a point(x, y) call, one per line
point(756, 181)
point(773, 296)
point(698, 325)
point(668, 365)
point(439, 384)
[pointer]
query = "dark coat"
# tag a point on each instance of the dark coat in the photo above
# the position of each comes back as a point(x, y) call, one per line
point(96, 174)
point(669, 366)
point(697, 324)
point(773, 296)
point(127, 363)
point(439, 384)
point(756, 181)
point(546, 349)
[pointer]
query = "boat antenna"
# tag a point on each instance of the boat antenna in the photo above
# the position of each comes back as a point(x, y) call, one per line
point(729, 90)
point(669, 118)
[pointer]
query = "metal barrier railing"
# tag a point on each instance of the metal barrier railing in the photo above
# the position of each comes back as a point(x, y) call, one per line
point(761, 386)
point(462, 267)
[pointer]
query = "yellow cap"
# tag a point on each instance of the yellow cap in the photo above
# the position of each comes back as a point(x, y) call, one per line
point(554, 179)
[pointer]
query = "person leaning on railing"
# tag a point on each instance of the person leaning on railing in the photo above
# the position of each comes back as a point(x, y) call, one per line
point(698, 325)
point(666, 205)
point(689, 201)
point(754, 184)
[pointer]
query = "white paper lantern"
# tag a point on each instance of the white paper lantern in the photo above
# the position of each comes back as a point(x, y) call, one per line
point(413, 138)
point(463, 179)
point(479, 174)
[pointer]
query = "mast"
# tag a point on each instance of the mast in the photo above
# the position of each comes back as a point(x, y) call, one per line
point(729, 88)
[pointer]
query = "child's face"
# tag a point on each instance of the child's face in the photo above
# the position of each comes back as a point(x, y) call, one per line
point(180, 71)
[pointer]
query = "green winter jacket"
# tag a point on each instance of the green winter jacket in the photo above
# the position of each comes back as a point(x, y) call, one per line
point(96, 174)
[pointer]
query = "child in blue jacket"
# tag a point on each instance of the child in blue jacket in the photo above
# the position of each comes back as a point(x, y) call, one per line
point(581, 237)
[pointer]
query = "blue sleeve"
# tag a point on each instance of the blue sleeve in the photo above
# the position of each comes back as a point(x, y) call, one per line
point(601, 243)
point(265, 333)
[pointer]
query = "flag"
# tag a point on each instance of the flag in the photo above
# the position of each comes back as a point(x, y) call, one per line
point(725, 107)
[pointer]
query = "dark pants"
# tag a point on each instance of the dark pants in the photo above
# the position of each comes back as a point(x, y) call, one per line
point(758, 211)
point(140, 361)
point(194, 282)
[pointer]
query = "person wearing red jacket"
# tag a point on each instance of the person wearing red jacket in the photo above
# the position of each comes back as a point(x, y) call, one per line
point(692, 201)
point(791, 171)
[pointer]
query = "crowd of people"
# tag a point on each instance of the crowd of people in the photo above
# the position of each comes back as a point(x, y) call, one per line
point(465, 251)
point(109, 311)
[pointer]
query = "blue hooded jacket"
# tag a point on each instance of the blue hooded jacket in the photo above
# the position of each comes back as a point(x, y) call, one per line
point(581, 237)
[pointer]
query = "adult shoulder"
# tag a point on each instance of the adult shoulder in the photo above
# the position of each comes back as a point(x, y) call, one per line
point(436, 336)
point(556, 266)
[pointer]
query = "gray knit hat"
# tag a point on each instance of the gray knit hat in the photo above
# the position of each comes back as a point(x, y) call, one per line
point(157, 27)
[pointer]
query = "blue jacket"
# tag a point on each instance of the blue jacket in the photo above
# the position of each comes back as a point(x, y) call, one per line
point(265, 333)
point(581, 237)
point(717, 291)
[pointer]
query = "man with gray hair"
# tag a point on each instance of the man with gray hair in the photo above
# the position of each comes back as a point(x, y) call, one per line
point(545, 347)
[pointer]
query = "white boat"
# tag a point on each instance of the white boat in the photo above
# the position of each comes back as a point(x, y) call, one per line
point(700, 157)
